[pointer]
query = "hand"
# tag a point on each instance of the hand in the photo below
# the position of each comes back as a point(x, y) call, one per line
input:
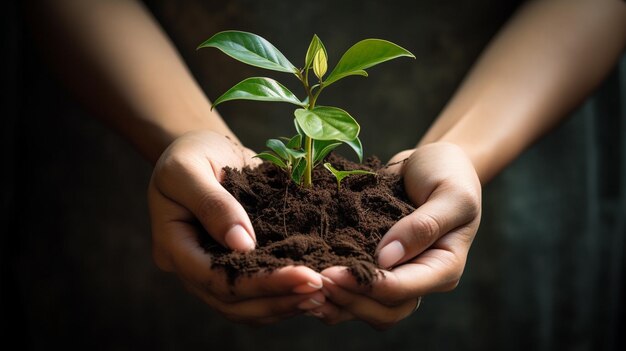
point(185, 189)
point(424, 252)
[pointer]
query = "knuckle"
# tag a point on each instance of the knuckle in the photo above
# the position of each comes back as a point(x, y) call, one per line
point(169, 167)
point(449, 269)
point(470, 202)
point(391, 292)
point(453, 278)
point(451, 285)
point(467, 196)
point(211, 205)
point(424, 228)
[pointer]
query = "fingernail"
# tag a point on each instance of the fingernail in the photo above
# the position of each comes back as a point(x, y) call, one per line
point(315, 314)
point(391, 254)
point(310, 304)
point(238, 239)
point(328, 281)
point(309, 287)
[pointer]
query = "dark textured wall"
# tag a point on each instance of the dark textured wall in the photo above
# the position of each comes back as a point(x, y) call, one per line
point(546, 270)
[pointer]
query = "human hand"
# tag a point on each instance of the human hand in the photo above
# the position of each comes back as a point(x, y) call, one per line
point(424, 252)
point(185, 189)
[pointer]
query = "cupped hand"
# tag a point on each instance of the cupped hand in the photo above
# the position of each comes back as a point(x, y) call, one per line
point(424, 252)
point(185, 190)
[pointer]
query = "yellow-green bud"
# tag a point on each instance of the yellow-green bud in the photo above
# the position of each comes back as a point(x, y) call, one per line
point(320, 64)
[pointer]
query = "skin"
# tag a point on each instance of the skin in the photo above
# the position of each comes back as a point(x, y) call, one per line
point(169, 120)
point(536, 70)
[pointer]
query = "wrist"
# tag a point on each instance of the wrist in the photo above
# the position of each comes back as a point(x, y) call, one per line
point(489, 143)
point(189, 117)
point(479, 155)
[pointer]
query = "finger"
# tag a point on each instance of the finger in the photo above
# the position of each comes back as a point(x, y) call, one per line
point(189, 259)
point(176, 245)
point(260, 310)
point(192, 183)
point(367, 309)
point(341, 276)
point(330, 314)
point(268, 307)
point(194, 264)
point(447, 208)
point(283, 281)
point(390, 296)
point(164, 212)
point(437, 269)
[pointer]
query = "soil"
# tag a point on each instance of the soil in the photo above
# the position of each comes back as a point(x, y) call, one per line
point(318, 227)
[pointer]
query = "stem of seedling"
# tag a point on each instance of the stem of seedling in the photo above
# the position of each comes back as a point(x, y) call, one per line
point(316, 95)
point(308, 181)
point(308, 142)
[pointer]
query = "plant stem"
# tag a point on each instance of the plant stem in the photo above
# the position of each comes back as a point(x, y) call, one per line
point(308, 181)
point(313, 99)
point(308, 142)
point(307, 88)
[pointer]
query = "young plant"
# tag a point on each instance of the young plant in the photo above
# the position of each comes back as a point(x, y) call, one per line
point(320, 129)
point(339, 175)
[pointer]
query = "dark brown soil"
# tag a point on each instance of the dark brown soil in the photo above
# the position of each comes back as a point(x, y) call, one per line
point(318, 227)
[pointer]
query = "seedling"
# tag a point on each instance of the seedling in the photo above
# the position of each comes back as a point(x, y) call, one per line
point(320, 129)
point(339, 175)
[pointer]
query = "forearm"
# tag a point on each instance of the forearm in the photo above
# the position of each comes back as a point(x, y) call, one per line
point(550, 56)
point(120, 62)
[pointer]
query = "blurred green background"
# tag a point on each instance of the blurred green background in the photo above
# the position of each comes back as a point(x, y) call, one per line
point(546, 270)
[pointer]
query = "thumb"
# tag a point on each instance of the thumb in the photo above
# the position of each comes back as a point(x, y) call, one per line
point(443, 212)
point(224, 218)
point(196, 188)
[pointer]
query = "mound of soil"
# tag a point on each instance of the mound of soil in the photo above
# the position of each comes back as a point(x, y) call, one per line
point(318, 227)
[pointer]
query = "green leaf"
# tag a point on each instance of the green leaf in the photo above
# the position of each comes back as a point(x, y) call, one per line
point(357, 147)
point(298, 171)
point(298, 128)
point(316, 44)
point(271, 158)
point(321, 148)
point(340, 175)
point(295, 142)
point(327, 123)
point(363, 55)
point(278, 147)
point(251, 49)
point(296, 154)
point(259, 89)
point(305, 102)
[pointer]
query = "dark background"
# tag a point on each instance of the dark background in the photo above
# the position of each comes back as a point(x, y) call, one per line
point(546, 270)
